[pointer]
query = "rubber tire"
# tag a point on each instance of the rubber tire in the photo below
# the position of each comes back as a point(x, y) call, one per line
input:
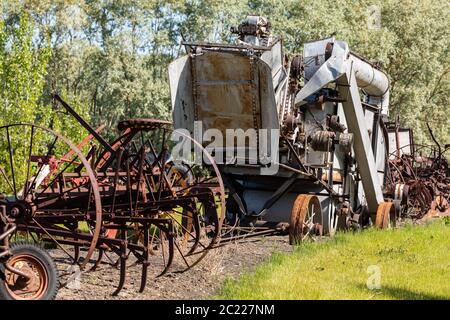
point(47, 261)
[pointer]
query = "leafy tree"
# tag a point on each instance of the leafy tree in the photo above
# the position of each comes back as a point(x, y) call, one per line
point(112, 56)
point(22, 71)
point(411, 42)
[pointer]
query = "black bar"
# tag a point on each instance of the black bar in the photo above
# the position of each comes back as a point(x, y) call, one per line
point(283, 189)
point(86, 125)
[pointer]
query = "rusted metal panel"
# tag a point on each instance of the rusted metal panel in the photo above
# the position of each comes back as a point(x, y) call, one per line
point(224, 90)
point(224, 93)
point(404, 140)
point(90, 191)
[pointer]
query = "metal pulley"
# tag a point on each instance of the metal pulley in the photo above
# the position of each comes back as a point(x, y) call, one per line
point(333, 122)
point(321, 140)
point(346, 142)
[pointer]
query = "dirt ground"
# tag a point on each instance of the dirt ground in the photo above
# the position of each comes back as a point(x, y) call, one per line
point(201, 282)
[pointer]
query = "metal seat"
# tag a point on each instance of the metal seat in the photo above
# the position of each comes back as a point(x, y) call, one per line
point(143, 124)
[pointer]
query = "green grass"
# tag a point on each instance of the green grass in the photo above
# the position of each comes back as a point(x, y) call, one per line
point(414, 263)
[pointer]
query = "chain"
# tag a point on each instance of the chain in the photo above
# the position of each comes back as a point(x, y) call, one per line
point(194, 85)
point(254, 97)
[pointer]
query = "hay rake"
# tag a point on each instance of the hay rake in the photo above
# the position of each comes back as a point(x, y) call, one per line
point(129, 197)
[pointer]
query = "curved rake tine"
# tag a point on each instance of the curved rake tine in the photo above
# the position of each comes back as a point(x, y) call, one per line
point(145, 263)
point(99, 260)
point(123, 268)
point(170, 238)
point(123, 262)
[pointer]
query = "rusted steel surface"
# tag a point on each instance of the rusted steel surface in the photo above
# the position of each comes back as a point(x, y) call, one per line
point(419, 176)
point(306, 219)
point(130, 195)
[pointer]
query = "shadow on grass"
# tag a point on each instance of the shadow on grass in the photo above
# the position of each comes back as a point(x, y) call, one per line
point(406, 294)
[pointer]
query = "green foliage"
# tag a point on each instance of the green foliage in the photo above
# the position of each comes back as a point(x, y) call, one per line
point(113, 55)
point(338, 269)
point(22, 71)
point(411, 42)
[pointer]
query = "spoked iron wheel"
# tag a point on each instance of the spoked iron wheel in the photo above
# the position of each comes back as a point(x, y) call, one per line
point(51, 190)
point(386, 215)
point(196, 228)
point(192, 196)
point(306, 219)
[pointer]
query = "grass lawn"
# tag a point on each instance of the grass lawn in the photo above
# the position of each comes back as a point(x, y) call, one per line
point(414, 263)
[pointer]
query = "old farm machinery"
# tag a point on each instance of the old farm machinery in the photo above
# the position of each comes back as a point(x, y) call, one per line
point(418, 175)
point(127, 197)
point(299, 146)
point(327, 142)
point(303, 144)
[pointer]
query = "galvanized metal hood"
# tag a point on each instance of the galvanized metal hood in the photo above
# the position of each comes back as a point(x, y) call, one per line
point(320, 70)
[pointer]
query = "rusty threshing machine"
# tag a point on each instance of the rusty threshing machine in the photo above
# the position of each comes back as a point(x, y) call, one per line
point(303, 144)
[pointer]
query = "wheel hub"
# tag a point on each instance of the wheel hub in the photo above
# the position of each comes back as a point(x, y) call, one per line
point(19, 209)
point(22, 288)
